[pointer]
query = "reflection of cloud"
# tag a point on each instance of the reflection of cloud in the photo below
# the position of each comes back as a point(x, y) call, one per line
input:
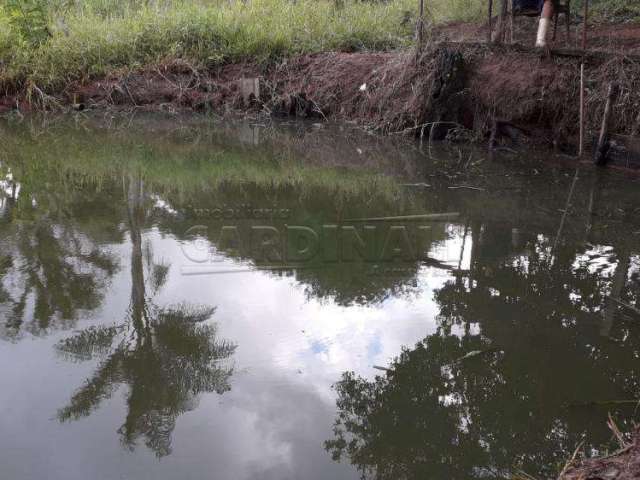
point(313, 341)
point(281, 407)
point(597, 260)
point(276, 325)
point(291, 349)
point(455, 249)
point(292, 421)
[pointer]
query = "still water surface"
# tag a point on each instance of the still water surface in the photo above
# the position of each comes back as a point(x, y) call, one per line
point(165, 312)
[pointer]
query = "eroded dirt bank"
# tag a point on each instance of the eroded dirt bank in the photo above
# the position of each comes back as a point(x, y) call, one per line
point(518, 94)
point(467, 89)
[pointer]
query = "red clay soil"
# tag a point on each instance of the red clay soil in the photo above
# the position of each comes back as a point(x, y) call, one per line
point(469, 85)
point(625, 465)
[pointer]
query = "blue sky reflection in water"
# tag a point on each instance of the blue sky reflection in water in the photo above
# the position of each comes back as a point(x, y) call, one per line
point(118, 365)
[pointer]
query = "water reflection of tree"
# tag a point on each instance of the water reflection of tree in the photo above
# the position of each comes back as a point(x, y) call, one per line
point(355, 280)
point(166, 356)
point(433, 415)
point(52, 268)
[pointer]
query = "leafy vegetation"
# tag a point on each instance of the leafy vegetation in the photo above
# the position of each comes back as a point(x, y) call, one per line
point(29, 19)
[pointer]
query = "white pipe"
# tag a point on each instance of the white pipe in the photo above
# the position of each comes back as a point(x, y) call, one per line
point(543, 29)
point(545, 20)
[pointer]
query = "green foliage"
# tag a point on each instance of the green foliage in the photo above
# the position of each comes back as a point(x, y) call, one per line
point(457, 10)
point(29, 18)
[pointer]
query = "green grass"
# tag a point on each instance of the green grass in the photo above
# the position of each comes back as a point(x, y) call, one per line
point(615, 10)
point(88, 41)
point(89, 38)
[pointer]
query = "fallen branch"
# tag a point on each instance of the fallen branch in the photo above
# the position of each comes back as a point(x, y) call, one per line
point(617, 433)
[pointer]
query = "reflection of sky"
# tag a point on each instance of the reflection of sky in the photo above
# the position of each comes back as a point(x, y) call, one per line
point(597, 260)
point(8, 189)
point(272, 424)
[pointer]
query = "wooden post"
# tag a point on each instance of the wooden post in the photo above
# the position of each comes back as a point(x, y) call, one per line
point(600, 154)
point(420, 29)
point(512, 21)
point(249, 90)
point(581, 147)
point(490, 21)
point(502, 28)
point(584, 27)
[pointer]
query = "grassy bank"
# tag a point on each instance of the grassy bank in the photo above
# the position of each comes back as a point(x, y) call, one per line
point(71, 40)
point(49, 43)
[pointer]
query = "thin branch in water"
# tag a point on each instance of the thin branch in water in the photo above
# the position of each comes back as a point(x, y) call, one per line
point(571, 461)
point(617, 433)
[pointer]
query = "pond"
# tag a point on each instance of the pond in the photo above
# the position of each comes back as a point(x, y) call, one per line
point(181, 298)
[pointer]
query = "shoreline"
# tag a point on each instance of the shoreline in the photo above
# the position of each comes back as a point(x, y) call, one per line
point(471, 92)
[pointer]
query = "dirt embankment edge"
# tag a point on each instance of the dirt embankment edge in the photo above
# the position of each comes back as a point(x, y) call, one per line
point(472, 91)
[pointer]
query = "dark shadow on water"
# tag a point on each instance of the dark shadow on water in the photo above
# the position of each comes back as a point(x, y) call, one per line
point(526, 343)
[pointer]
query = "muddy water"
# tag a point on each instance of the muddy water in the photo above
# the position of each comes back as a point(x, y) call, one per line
point(183, 300)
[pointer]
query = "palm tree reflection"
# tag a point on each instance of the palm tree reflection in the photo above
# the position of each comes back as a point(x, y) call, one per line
point(166, 356)
point(51, 268)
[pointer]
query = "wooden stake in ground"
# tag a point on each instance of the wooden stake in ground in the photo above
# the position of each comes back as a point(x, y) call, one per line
point(512, 21)
point(584, 27)
point(581, 147)
point(420, 33)
point(500, 32)
point(600, 154)
point(490, 21)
